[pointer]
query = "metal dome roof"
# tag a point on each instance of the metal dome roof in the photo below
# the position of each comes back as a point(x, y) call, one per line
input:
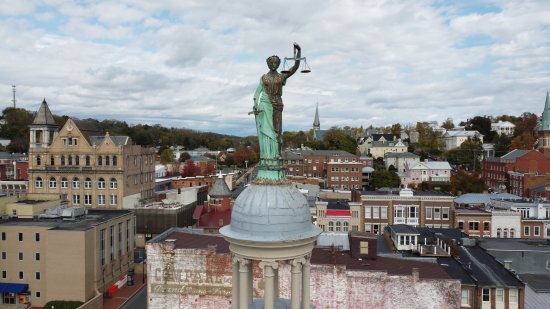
point(270, 213)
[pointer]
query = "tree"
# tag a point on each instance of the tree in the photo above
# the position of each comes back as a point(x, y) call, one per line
point(189, 169)
point(337, 139)
point(429, 141)
point(448, 124)
point(396, 129)
point(524, 141)
point(502, 144)
point(464, 182)
point(184, 156)
point(166, 156)
point(466, 156)
point(482, 124)
point(384, 178)
point(527, 124)
point(244, 154)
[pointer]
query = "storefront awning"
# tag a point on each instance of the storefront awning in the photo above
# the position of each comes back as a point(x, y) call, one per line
point(13, 287)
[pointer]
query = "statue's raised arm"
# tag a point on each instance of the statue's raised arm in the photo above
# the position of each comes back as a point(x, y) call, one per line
point(297, 56)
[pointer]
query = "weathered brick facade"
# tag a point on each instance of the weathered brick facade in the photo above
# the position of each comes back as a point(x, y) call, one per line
point(194, 271)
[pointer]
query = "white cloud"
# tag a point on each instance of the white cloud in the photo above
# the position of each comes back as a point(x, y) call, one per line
point(197, 63)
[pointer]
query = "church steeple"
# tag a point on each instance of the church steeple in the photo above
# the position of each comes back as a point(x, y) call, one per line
point(545, 122)
point(316, 122)
point(544, 129)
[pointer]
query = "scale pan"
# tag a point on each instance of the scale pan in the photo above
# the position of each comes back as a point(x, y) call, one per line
point(285, 71)
point(305, 71)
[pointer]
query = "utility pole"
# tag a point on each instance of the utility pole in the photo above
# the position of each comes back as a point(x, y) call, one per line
point(13, 90)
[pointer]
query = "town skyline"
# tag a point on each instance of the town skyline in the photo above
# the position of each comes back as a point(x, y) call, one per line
point(194, 65)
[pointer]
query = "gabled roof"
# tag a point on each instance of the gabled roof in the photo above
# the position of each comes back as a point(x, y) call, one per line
point(396, 143)
point(44, 115)
point(514, 154)
point(432, 165)
point(400, 155)
point(117, 140)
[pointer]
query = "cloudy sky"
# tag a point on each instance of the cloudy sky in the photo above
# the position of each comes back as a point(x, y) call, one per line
point(196, 64)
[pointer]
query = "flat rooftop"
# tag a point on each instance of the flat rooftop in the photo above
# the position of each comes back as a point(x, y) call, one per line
point(514, 244)
point(93, 218)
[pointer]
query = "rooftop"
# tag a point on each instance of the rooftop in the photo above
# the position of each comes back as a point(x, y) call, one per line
point(514, 244)
point(93, 218)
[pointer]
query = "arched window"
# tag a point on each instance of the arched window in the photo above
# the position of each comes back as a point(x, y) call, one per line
point(87, 160)
point(346, 226)
point(114, 161)
point(512, 233)
point(76, 183)
point(62, 160)
point(330, 226)
point(338, 226)
point(87, 183)
point(99, 160)
point(38, 160)
point(101, 183)
point(107, 161)
point(77, 160)
point(38, 182)
point(64, 182)
point(53, 182)
point(70, 160)
point(52, 160)
point(506, 233)
point(113, 184)
point(499, 231)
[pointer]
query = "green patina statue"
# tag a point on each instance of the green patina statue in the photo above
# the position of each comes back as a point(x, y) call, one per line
point(268, 110)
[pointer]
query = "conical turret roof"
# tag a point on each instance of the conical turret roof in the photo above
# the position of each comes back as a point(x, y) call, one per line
point(220, 188)
point(44, 115)
point(545, 123)
point(316, 122)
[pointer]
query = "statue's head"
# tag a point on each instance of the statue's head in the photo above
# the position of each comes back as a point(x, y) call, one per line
point(273, 62)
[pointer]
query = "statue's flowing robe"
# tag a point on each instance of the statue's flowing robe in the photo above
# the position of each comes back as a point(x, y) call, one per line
point(267, 137)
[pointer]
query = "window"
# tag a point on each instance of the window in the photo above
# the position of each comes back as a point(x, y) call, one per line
point(4, 255)
point(107, 161)
point(499, 231)
point(383, 212)
point(100, 160)
point(101, 183)
point(505, 234)
point(87, 183)
point(500, 295)
point(112, 243)
point(76, 199)
point(20, 236)
point(87, 199)
point(64, 183)
point(474, 226)
point(37, 256)
point(338, 226)
point(367, 227)
point(437, 213)
point(37, 275)
point(76, 183)
point(101, 199)
point(513, 295)
point(547, 264)
point(512, 233)
point(367, 212)
point(102, 247)
point(486, 294)
point(38, 182)
point(62, 160)
point(345, 227)
point(87, 160)
point(37, 236)
point(113, 183)
point(53, 183)
point(70, 160)
point(486, 226)
point(461, 225)
point(20, 256)
point(38, 160)
point(375, 213)
point(526, 231)
point(364, 247)
point(77, 160)
point(445, 211)
point(330, 226)
point(413, 212)
point(398, 211)
point(37, 294)
point(428, 213)
point(21, 276)
point(536, 231)
point(4, 274)
point(119, 239)
point(3, 235)
point(52, 160)
point(114, 160)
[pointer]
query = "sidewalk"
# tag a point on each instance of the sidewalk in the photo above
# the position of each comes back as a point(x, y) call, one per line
point(124, 294)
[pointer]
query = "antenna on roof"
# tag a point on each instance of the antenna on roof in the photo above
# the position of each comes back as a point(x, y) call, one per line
point(13, 90)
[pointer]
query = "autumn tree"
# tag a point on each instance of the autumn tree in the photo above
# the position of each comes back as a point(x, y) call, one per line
point(524, 141)
point(189, 169)
point(463, 182)
point(448, 124)
point(429, 141)
point(244, 154)
point(466, 156)
point(184, 156)
point(166, 156)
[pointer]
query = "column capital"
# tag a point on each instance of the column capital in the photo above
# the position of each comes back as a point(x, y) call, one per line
point(272, 264)
point(297, 261)
point(243, 263)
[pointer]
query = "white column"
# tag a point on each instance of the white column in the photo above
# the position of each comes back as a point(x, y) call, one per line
point(295, 283)
point(235, 284)
point(250, 282)
point(243, 283)
point(269, 289)
point(305, 283)
point(276, 282)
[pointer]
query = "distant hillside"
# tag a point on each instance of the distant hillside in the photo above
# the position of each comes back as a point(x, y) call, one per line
point(17, 121)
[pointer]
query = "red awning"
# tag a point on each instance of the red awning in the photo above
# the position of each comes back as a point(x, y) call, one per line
point(338, 213)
